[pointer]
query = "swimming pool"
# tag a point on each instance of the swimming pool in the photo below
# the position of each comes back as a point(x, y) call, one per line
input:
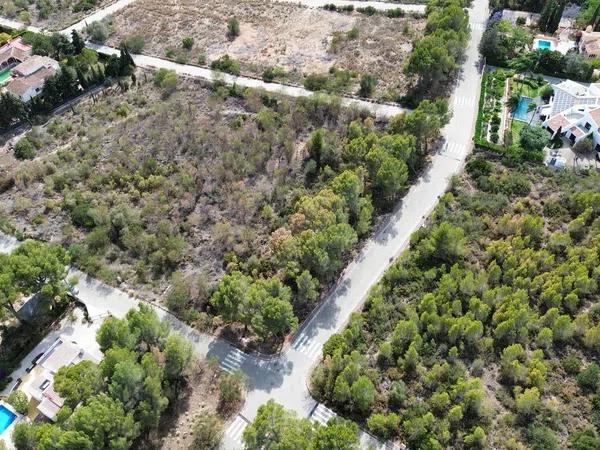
point(522, 113)
point(544, 44)
point(7, 417)
point(4, 75)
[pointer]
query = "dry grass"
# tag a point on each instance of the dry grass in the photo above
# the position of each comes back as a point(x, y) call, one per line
point(61, 13)
point(293, 37)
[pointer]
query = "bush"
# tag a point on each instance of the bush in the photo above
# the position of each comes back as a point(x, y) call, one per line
point(226, 64)
point(233, 28)
point(187, 43)
point(571, 364)
point(134, 43)
point(367, 85)
point(230, 390)
point(316, 82)
point(167, 80)
point(18, 400)
point(208, 432)
point(589, 378)
point(271, 73)
point(24, 149)
point(97, 31)
point(352, 34)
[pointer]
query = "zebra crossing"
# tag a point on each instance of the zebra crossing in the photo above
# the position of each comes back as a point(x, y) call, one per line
point(236, 429)
point(306, 346)
point(480, 26)
point(453, 150)
point(322, 414)
point(464, 101)
point(233, 361)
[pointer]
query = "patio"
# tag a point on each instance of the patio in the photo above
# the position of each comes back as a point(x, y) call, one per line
point(565, 154)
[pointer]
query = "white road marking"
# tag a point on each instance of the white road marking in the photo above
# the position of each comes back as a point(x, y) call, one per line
point(236, 429)
point(322, 414)
point(464, 101)
point(453, 150)
point(234, 359)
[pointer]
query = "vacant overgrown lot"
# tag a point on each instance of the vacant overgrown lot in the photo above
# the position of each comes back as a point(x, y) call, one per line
point(50, 14)
point(297, 39)
point(197, 164)
point(167, 189)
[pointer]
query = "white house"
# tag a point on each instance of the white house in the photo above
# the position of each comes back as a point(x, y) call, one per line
point(28, 77)
point(38, 385)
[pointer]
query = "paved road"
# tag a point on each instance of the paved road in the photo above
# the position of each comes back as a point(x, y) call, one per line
point(284, 378)
point(152, 62)
point(358, 4)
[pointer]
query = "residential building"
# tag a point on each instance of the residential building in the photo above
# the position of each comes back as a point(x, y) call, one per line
point(13, 53)
point(29, 76)
point(589, 43)
point(38, 385)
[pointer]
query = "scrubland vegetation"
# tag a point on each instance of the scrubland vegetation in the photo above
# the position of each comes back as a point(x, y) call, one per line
point(50, 14)
point(485, 334)
point(174, 183)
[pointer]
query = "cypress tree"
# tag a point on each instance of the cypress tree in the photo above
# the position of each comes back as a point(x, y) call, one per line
point(556, 16)
point(546, 15)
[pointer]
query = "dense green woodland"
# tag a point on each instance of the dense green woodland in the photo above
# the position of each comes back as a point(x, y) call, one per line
point(486, 332)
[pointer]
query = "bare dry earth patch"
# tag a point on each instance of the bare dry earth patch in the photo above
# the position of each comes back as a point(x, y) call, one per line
point(293, 37)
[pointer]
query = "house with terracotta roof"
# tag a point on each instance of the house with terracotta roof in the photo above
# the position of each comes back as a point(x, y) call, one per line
point(29, 76)
point(574, 112)
point(13, 53)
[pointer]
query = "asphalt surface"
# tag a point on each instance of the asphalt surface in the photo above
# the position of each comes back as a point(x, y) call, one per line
point(284, 378)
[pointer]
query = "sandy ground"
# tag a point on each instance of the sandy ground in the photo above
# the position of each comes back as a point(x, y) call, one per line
point(293, 37)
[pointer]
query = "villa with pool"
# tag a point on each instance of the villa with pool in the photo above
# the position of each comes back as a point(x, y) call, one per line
point(574, 112)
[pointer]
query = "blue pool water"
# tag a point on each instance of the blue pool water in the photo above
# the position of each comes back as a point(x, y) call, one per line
point(521, 112)
point(6, 418)
point(544, 45)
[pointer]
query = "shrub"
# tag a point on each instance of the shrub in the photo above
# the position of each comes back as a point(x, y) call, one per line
point(589, 378)
point(24, 149)
point(271, 73)
point(226, 64)
point(97, 31)
point(202, 59)
point(571, 364)
point(352, 34)
point(208, 432)
point(187, 43)
point(233, 28)
point(367, 85)
point(134, 43)
point(167, 80)
point(18, 400)
point(230, 390)
point(316, 82)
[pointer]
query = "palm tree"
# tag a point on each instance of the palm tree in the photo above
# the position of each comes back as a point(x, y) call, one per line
point(513, 101)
